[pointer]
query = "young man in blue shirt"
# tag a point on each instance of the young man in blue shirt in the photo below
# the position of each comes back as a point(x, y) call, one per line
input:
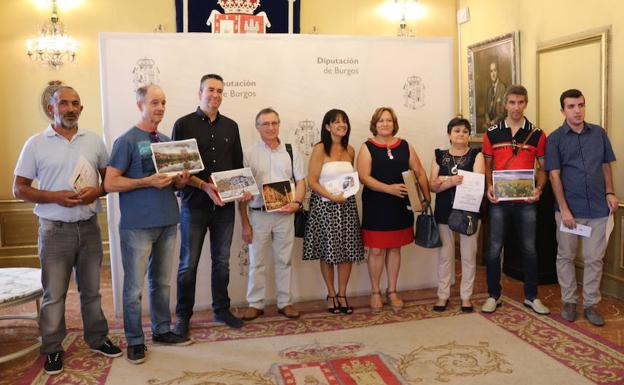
point(578, 156)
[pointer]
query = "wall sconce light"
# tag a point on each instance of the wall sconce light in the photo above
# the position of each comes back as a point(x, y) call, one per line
point(52, 46)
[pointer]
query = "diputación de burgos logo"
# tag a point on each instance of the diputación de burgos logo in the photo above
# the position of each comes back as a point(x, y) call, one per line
point(240, 89)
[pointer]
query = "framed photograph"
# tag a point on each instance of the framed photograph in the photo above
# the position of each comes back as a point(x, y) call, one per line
point(347, 184)
point(277, 194)
point(414, 192)
point(513, 184)
point(493, 65)
point(232, 184)
point(173, 157)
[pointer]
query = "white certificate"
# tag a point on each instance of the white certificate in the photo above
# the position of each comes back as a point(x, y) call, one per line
point(469, 193)
point(84, 175)
point(610, 225)
point(346, 184)
point(582, 230)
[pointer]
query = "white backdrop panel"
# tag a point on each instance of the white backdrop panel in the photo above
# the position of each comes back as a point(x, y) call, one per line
point(301, 76)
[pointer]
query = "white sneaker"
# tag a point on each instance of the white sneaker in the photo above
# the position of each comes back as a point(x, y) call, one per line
point(537, 306)
point(491, 304)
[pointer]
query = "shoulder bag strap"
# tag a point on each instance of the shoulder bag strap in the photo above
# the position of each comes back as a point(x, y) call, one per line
point(289, 150)
point(521, 148)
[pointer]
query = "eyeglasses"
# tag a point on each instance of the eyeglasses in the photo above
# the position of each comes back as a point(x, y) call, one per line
point(154, 138)
point(269, 124)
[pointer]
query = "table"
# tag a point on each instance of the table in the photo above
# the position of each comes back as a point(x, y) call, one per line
point(19, 285)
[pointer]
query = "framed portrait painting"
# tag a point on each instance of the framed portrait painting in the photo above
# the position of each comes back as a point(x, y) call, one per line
point(493, 65)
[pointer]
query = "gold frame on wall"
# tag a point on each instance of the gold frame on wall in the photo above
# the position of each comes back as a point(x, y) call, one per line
point(505, 51)
point(599, 35)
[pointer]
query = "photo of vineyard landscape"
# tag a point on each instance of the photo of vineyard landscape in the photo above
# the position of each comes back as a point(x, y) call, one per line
point(513, 184)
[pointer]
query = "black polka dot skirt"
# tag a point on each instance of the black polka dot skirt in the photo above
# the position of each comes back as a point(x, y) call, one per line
point(333, 232)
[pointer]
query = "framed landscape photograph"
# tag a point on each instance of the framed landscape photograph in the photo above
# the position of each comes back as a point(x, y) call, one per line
point(176, 156)
point(493, 65)
point(513, 184)
point(232, 184)
point(277, 194)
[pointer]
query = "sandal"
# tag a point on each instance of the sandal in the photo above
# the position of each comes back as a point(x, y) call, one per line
point(395, 302)
point(335, 309)
point(346, 309)
point(376, 302)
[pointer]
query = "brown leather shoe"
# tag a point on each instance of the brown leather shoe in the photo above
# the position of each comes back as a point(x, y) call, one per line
point(251, 313)
point(289, 311)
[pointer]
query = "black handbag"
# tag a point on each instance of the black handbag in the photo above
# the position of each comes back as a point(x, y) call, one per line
point(463, 222)
point(301, 217)
point(427, 233)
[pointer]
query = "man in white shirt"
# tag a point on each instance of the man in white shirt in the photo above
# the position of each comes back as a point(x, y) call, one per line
point(270, 162)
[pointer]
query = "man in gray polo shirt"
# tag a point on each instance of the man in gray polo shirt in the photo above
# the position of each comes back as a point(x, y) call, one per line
point(69, 235)
point(578, 156)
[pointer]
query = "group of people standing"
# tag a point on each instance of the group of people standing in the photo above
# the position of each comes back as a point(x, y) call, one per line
point(578, 156)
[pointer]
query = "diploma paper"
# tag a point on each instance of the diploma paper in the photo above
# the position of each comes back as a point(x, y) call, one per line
point(346, 184)
point(582, 230)
point(469, 193)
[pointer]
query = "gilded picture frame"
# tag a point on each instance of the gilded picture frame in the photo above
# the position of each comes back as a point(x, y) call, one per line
point(584, 53)
point(493, 65)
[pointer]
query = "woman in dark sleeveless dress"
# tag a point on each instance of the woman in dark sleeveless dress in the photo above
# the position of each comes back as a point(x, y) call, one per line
point(387, 221)
point(444, 179)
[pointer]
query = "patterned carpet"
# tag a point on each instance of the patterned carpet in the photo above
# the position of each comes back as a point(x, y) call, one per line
point(414, 346)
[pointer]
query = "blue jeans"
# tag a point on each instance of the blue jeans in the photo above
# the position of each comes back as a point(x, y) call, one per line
point(524, 217)
point(194, 223)
point(147, 250)
point(63, 247)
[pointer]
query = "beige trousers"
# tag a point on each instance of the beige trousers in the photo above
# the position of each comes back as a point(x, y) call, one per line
point(592, 249)
point(446, 262)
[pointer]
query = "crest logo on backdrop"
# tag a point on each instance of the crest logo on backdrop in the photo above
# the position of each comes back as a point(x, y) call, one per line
point(238, 17)
point(145, 72)
point(307, 136)
point(414, 92)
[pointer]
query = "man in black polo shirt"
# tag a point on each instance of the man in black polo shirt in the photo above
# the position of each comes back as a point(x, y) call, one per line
point(219, 143)
point(513, 144)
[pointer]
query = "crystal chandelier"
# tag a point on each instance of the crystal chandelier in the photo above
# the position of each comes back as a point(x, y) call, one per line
point(52, 46)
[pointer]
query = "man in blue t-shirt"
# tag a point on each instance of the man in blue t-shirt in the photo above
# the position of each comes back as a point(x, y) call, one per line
point(579, 156)
point(148, 224)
